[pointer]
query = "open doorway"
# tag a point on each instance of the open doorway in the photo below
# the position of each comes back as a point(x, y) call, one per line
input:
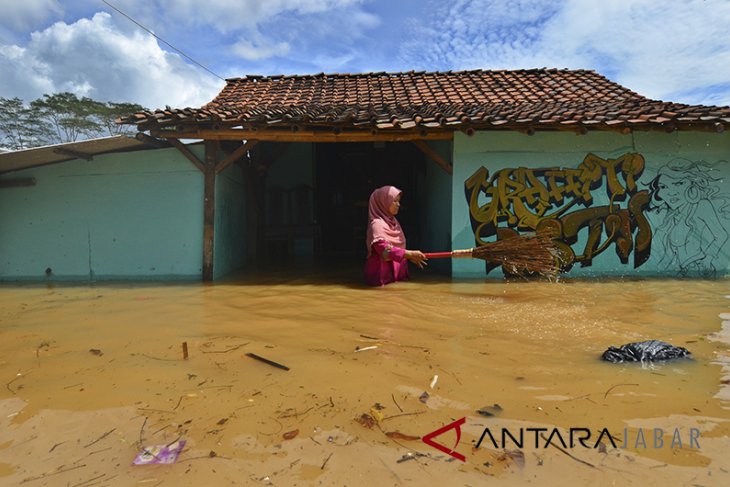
point(346, 174)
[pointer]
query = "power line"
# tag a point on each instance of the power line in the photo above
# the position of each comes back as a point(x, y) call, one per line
point(163, 40)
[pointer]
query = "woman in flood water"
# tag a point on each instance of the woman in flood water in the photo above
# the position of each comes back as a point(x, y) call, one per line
point(386, 243)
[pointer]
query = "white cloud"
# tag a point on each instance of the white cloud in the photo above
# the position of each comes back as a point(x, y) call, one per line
point(22, 15)
point(266, 29)
point(333, 63)
point(466, 34)
point(92, 58)
point(666, 50)
point(658, 49)
point(253, 52)
point(674, 51)
point(227, 16)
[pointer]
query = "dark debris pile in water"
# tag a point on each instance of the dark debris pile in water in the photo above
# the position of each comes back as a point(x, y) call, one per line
point(646, 351)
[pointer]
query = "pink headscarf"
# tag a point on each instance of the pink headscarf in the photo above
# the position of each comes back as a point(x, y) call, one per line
point(381, 224)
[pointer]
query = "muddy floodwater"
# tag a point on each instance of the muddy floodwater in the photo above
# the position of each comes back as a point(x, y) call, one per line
point(91, 374)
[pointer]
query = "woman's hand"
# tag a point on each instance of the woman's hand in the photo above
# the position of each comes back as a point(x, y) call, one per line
point(417, 257)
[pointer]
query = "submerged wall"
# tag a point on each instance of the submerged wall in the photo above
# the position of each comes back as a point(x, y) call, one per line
point(644, 204)
point(120, 216)
point(436, 209)
point(648, 203)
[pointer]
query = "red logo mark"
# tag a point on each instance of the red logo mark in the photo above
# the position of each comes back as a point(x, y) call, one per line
point(428, 439)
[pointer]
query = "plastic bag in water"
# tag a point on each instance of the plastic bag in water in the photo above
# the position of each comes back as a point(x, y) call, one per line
point(646, 351)
point(163, 454)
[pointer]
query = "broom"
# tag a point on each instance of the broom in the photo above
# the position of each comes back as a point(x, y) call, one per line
point(523, 254)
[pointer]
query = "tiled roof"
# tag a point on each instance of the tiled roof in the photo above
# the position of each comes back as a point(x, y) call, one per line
point(535, 98)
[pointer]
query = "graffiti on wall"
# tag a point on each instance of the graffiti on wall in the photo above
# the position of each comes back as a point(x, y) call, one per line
point(560, 202)
point(690, 215)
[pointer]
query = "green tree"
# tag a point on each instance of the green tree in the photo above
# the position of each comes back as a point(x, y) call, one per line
point(60, 118)
point(20, 128)
point(68, 117)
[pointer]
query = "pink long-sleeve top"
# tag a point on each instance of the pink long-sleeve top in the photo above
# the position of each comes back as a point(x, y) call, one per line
point(385, 264)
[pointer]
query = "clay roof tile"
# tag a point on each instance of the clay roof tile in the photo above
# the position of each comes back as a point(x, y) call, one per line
point(417, 98)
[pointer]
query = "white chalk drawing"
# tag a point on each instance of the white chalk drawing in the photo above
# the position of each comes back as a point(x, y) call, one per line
point(692, 216)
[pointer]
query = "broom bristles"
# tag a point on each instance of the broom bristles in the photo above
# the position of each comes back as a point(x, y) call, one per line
point(522, 255)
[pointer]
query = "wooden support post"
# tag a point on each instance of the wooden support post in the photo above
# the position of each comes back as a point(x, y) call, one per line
point(211, 154)
point(187, 153)
point(433, 155)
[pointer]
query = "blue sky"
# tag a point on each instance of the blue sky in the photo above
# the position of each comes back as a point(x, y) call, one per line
point(670, 50)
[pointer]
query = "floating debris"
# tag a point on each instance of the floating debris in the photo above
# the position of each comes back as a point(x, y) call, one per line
point(397, 435)
point(267, 361)
point(376, 414)
point(363, 349)
point(160, 454)
point(434, 381)
point(424, 397)
point(646, 351)
point(326, 460)
point(492, 410)
point(365, 420)
point(515, 456)
point(290, 435)
point(410, 456)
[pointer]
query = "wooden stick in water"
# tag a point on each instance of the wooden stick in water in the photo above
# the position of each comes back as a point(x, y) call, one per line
point(185, 350)
point(267, 361)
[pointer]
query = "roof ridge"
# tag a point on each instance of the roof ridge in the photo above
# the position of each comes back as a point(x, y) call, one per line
point(392, 74)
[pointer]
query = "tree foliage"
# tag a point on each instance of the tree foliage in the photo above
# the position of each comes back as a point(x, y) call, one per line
point(60, 118)
point(18, 127)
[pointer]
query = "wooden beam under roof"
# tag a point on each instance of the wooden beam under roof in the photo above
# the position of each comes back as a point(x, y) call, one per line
point(236, 155)
point(188, 154)
point(434, 156)
point(303, 135)
point(73, 153)
point(17, 182)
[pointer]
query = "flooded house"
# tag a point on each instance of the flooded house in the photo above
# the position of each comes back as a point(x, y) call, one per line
point(270, 378)
point(279, 168)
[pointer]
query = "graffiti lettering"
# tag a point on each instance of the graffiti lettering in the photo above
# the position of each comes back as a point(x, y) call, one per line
point(540, 200)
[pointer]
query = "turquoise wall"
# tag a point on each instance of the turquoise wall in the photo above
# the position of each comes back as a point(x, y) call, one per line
point(436, 211)
point(684, 176)
point(139, 215)
point(120, 216)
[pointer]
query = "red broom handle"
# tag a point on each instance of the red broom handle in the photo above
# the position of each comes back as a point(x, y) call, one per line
point(454, 254)
point(438, 255)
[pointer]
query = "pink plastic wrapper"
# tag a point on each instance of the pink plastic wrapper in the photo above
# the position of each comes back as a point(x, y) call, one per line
point(159, 454)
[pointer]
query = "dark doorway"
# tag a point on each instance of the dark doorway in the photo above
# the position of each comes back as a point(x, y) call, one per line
point(347, 173)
